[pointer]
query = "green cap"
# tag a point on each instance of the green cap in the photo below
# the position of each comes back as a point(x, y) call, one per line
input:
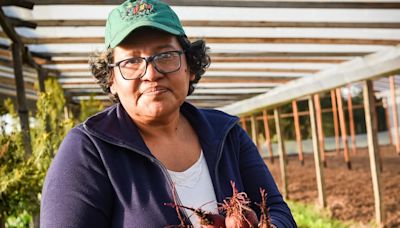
point(132, 14)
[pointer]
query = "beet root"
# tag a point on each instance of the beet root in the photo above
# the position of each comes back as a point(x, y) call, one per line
point(238, 213)
point(207, 219)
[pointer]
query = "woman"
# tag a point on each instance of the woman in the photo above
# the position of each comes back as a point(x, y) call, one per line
point(120, 167)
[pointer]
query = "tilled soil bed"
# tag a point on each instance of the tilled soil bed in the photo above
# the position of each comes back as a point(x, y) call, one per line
point(349, 192)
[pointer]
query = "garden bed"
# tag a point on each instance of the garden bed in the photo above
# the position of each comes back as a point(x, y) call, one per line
point(349, 192)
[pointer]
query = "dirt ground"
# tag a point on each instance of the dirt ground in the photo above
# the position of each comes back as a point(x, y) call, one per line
point(349, 192)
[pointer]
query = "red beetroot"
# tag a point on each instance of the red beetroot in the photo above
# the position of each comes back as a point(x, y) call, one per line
point(238, 213)
point(207, 219)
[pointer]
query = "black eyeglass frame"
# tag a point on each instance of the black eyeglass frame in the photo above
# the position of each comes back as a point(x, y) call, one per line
point(148, 60)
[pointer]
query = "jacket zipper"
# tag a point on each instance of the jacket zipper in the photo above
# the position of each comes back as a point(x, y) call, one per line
point(163, 169)
point(217, 183)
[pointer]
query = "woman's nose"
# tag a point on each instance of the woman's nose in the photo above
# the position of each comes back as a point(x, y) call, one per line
point(152, 73)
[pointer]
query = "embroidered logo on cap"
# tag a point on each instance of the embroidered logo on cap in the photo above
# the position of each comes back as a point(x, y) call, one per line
point(141, 8)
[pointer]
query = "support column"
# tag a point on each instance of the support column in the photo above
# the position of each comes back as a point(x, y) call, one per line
point(394, 113)
point(351, 121)
point(387, 116)
point(254, 129)
point(243, 123)
point(335, 121)
point(282, 153)
point(317, 159)
point(373, 149)
point(297, 130)
point(343, 128)
point(268, 136)
point(320, 131)
point(21, 98)
point(42, 74)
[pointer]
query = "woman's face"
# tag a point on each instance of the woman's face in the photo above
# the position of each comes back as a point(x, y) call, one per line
point(155, 95)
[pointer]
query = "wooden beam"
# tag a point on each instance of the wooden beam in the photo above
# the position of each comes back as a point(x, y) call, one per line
point(227, 54)
point(233, 3)
point(382, 63)
point(20, 3)
point(70, 23)
point(254, 130)
point(273, 60)
point(236, 24)
point(277, 70)
point(224, 60)
point(21, 23)
point(317, 159)
point(373, 149)
point(290, 54)
point(21, 98)
point(394, 112)
point(42, 75)
point(297, 131)
point(9, 30)
point(228, 40)
point(282, 154)
point(244, 79)
point(268, 136)
point(335, 121)
point(351, 120)
point(288, 24)
point(385, 106)
point(343, 130)
point(320, 129)
point(243, 122)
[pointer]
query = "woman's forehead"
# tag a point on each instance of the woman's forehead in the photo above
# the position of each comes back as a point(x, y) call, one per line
point(148, 41)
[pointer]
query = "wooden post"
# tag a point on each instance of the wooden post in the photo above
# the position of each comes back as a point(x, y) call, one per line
point(254, 129)
point(282, 153)
point(343, 128)
point(387, 117)
point(335, 121)
point(243, 122)
point(351, 120)
point(318, 163)
point(320, 131)
point(268, 136)
point(2, 222)
point(21, 98)
point(394, 113)
point(297, 130)
point(42, 74)
point(373, 149)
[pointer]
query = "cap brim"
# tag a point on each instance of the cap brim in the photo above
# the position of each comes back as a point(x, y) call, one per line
point(124, 33)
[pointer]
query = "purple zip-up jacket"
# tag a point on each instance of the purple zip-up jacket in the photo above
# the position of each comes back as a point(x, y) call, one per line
point(104, 175)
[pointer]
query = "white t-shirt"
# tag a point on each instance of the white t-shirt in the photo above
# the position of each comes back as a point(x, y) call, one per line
point(195, 189)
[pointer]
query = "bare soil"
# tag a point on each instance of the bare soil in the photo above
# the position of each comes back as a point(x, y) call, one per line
point(349, 192)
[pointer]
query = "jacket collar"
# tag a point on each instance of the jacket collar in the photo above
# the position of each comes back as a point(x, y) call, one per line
point(115, 126)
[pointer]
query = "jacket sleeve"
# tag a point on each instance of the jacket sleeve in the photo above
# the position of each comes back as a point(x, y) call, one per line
point(76, 192)
point(255, 175)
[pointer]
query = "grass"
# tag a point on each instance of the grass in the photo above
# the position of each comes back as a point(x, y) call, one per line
point(308, 216)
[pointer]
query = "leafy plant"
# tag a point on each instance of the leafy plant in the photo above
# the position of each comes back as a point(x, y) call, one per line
point(21, 180)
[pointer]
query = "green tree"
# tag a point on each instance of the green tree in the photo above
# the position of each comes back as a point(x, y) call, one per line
point(21, 180)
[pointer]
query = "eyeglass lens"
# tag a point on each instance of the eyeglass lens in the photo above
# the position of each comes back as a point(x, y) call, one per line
point(166, 62)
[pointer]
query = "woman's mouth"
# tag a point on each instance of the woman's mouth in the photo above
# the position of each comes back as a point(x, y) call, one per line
point(154, 90)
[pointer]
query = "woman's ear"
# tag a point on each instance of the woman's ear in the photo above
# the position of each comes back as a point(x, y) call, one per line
point(113, 90)
point(192, 76)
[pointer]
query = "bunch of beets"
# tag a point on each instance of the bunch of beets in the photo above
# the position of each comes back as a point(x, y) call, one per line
point(237, 211)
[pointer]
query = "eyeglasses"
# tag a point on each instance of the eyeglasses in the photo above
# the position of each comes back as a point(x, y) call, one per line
point(134, 68)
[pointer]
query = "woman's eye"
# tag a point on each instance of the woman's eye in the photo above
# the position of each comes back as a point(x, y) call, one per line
point(131, 62)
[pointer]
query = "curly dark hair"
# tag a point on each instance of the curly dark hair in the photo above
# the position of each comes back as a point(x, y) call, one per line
point(196, 54)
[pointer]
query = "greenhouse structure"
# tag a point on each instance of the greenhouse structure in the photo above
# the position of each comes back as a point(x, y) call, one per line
point(315, 83)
